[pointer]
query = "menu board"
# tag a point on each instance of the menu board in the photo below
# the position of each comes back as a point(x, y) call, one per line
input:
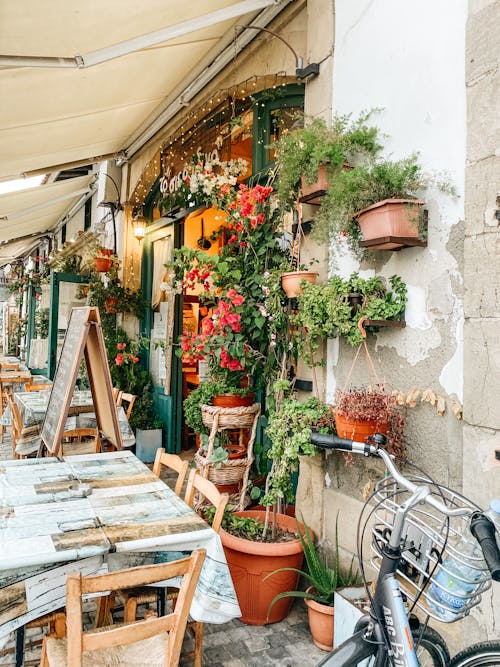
point(83, 338)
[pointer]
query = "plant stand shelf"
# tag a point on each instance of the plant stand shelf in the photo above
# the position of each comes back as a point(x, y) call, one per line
point(219, 419)
point(313, 197)
point(393, 243)
point(384, 323)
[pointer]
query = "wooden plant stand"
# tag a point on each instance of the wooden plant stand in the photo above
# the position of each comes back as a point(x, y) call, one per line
point(218, 419)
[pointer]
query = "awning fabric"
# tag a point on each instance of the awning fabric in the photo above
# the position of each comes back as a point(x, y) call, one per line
point(36, 210)
point(52, 116)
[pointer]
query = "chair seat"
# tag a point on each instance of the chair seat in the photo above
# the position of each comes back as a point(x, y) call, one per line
point(146, 653)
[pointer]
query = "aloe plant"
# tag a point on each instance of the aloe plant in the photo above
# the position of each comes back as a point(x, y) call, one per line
point(324, 580)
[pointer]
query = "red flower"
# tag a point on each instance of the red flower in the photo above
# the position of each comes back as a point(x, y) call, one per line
point(119, 359)
point(121, 346)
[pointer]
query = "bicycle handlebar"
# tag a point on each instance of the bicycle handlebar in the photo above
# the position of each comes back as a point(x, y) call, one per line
point(481, 527)
point(334, 442)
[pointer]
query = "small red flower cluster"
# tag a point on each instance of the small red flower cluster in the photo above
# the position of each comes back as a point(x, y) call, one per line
point(125, 358)
point(244, 215)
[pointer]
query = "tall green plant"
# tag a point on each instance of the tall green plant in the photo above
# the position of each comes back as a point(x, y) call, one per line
point(324, 578)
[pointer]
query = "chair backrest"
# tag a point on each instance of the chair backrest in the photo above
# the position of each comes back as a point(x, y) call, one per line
point(116, 394)
point(81, 441)
point(38, 387)
point(9, 366)
point(128, 398)
point(173, 623)
point(197, 483)
point(17, 422)
point(173, 462)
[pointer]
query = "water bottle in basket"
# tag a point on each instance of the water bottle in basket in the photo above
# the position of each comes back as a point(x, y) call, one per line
point(455, 579)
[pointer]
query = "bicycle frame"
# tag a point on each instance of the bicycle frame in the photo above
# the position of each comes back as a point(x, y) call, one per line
point(386, 632)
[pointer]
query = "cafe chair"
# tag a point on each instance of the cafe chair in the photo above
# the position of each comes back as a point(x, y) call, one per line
point(25, 440)
point(129, 399)
point(171, 462)
point(116, 394)
point(81, 441)
point(156, 641)
point(207, 492)
point(41, 386)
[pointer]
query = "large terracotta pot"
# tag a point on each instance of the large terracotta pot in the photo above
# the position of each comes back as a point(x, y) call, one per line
point(249, 562)
point(233, 400)
point(320, 623)
point(320, 184)
point(390, 217)
point(291, 280)
point(358, 430)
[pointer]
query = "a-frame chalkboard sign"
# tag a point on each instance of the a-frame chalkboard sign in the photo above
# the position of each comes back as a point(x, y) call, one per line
point(83, 338)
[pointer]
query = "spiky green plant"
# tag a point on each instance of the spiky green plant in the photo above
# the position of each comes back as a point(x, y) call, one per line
point(323, 579)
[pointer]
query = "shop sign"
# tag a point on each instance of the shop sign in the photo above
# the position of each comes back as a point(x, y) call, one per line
point(170, 182)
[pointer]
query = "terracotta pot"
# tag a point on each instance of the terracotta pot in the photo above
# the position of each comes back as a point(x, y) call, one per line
point(106, 251)
point(320, 184)
point(291, 280)
point(110, 304)
point(233, 400)
point(249, 562)
point(102, 264)
point(320, 623)
point(390, 217)
point(358, 430)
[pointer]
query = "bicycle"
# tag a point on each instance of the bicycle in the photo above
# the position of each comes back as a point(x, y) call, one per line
point(417, 527)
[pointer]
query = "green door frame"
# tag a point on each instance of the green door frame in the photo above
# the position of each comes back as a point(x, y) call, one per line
point(56, 279)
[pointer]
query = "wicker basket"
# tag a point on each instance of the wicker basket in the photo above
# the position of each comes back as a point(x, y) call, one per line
point(241, 417)
point(230, 472)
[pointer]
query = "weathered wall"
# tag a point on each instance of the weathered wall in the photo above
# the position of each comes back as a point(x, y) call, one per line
point(408, 59)
point(481, 473)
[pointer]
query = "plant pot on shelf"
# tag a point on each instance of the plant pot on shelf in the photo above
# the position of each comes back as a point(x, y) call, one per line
point(291, 281)
point(320, 623)
point(102, 264)
point(397, 218)
point(358, 430)
point(319, 186)
point(249, 562)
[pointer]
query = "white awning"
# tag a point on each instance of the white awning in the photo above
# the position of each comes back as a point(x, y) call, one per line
point(37, 210)
point(72, 85)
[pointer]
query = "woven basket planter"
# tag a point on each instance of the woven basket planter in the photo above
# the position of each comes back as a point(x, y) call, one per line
point(242, 417)
point(230, 472)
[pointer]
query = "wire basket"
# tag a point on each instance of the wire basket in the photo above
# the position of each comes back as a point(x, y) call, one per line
point(442, 570)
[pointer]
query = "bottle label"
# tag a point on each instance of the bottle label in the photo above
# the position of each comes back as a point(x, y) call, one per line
point(453, 601)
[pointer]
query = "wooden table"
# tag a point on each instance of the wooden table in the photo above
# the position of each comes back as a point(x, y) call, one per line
point(33, 406)
point(131, 518)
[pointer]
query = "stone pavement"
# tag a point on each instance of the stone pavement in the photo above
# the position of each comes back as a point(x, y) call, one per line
point(234, 644)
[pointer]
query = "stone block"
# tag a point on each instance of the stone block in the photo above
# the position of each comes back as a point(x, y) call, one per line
point(483, 99)
point(481, 40)
point(310, 492)
point(482, 373)
point(481, 471)
point(481, 188)
point(482, 276)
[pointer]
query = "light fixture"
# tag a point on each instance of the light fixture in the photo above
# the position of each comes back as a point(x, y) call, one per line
point(140, 223)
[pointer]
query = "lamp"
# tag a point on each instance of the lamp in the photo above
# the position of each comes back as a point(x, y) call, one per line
point(140, 223)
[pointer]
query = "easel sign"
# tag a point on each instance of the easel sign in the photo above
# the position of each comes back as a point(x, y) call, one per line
point(83, 338)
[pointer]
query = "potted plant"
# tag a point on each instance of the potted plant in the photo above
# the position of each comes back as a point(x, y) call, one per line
point(148, 428)
point(257, 542)
point(104, 260)
point(309, 157)
point(387, 189)
point(324, 579)
point(325, 310)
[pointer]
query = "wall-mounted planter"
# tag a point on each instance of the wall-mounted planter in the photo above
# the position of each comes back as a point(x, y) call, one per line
point(391, 224)
point(311, 193)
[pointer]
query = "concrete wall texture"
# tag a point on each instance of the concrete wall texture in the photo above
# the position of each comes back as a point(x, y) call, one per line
point(431, 68)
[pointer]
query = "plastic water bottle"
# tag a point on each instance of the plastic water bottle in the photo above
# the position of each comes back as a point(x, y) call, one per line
point(455, 579)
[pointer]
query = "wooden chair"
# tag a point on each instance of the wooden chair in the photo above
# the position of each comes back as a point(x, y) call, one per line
point(209, 492)
point(38, 387)
point(135, 641)
point(172, 462)
point(129, 399)
point(81, 441)
point(116, 394)
point(25, 440)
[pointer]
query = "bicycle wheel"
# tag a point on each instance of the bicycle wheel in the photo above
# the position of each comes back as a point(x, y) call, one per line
point(431, 648)
point(485, 654)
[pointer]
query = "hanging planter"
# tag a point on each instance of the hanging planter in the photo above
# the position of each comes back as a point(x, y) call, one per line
point(358, 429)
point(102, 264)
point(291, 280)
